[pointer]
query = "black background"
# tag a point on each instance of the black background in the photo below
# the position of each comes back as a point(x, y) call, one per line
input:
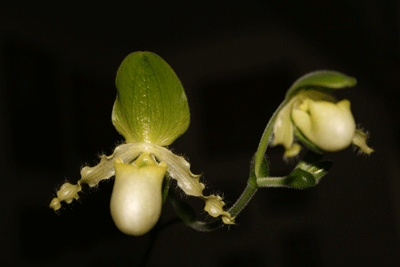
point(57, 71)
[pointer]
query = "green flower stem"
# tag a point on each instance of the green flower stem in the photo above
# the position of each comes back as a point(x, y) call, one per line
point(272, 181)
point(264, 142)
point(243, 200)
point(260, 167)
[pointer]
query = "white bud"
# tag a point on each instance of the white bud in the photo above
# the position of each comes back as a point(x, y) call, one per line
point(328, 125)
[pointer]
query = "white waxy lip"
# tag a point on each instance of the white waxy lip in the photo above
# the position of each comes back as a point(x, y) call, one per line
point(137, 198)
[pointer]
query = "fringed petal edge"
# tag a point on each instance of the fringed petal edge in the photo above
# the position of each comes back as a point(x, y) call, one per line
point(179, 169)
point(93, 175)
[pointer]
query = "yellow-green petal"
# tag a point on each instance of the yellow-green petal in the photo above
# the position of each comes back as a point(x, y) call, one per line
point(68, 192)
point(179, 169)
point(93, 175)
point(214, 207)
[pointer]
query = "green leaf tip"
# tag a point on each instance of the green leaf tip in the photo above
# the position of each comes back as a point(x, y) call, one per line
point(321, 79)
point(151, 104)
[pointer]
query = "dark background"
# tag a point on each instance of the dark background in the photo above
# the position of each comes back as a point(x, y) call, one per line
point(57, 71)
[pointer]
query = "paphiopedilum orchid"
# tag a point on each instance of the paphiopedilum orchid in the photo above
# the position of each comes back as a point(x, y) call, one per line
point(313, 116)
point(150, 112)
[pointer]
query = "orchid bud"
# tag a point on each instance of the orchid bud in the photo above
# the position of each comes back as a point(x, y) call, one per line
point(330, 126)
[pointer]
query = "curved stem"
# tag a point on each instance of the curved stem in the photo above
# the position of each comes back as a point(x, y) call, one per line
point(265, 139)
point(258, 168)
point(243, 200)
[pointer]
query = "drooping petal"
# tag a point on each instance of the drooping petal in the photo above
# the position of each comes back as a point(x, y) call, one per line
point(179, 169)
point(105, 169)
point(360, 140)
point(93, 175)
point(67, 193)
point(214, 207)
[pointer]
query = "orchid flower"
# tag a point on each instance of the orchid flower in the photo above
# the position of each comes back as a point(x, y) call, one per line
point(150, 112)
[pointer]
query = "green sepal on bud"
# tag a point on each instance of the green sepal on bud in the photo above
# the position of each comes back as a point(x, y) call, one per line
point(324, 80)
